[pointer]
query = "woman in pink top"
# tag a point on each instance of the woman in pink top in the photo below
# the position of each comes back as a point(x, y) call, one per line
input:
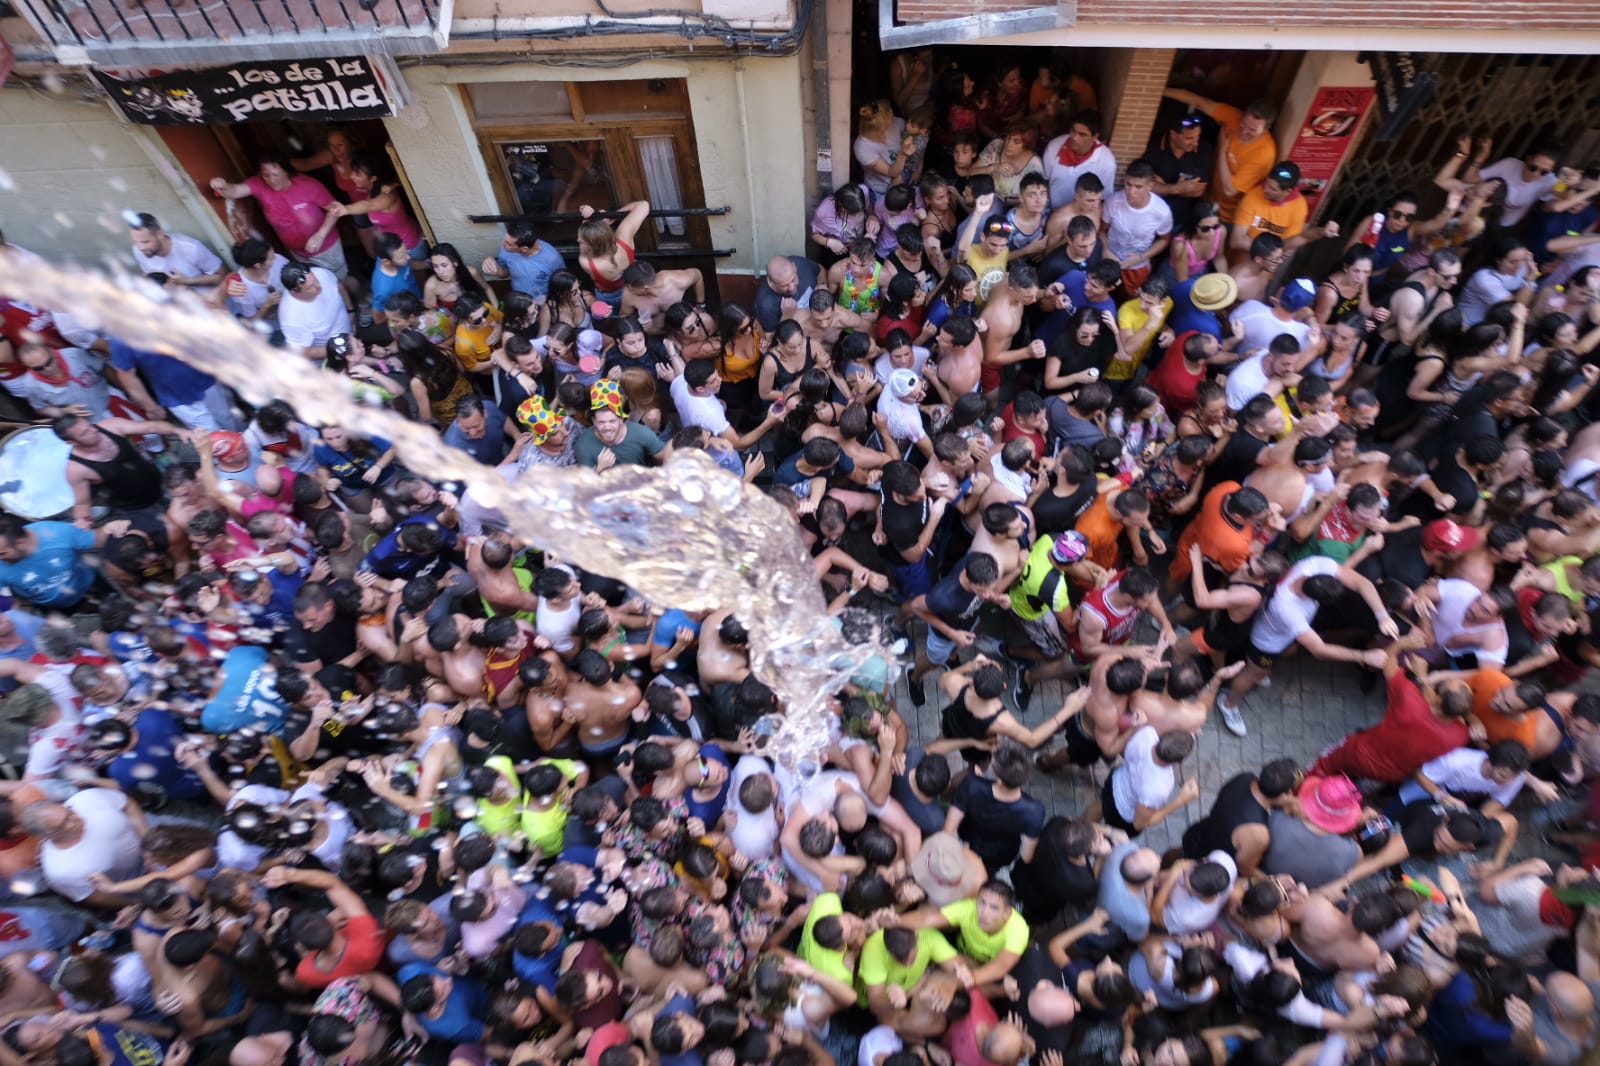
point(1199, 249)
point(294, 206)
point(337, 156)
point(382, 203)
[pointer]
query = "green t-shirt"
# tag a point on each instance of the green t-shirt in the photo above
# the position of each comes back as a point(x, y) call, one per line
point(826, 960)
point(878, 967)
point(639, 442)
point(979, 946)
point(1030, 583)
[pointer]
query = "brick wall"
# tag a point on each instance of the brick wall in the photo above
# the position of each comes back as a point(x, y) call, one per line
point(1140, 98)
point(1522, 15)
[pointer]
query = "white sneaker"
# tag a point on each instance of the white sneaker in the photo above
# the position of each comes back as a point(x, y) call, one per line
point(1231, 717)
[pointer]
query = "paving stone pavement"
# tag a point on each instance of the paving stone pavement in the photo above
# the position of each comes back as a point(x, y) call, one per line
point(1310, 705)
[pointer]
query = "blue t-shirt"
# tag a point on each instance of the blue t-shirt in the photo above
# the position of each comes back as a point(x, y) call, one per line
point(348, 467)
point(130, 1048)
point(55, 575)
point(680, 1004)
point(488, 449)
point(27, 627)
point(461, 1022)
point(710, 811)
point(531, 273)
point(388, 561)
point(790, 477)
point(1185, 316)
point(248, 696)
point(1057, 321)
point(669, 623)
point(151, 758)
point(385, 286)
point(172, 382)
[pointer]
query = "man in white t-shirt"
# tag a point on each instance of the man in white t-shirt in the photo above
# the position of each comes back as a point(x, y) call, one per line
point(694, 394)
point(753, 800)
point(184, 260)
point(96, 831)
point(1285, 621)
point(1190, 896)
point(1137, 223)
point(1139, 793)
point(1265, 371)
point(1078, 151)
point(313, 309)
point(1467, 775)
point(1470, 621)
point(1283, 313)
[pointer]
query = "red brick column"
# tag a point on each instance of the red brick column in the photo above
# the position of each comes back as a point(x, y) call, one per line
point(1140, 99)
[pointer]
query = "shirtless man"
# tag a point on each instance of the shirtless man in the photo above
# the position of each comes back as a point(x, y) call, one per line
point(1002, 317)
point(1087, 198)
point(449, 653)
point(1324, 940)
point(1501, 558)
point(1184, 702)
point(601, 707)
point(724, 650)
point(489, 564)
point(1289, 483)
point(824, 321)
point(1253, 276)
point(957, 364)
point(544, 683)
point(1101, 729)
point(1000, 535)
point(647, 293)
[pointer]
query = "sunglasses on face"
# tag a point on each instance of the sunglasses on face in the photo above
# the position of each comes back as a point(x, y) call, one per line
point(1189, 122)
point(477, 320)
point(1450, 277)
point(1401, 216)
point(1208, 229)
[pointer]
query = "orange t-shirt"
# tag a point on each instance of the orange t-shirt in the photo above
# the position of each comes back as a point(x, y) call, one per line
point(1261, 215)
point(1250, 163)
point(1485, 685)
point(19, 851)
point(1224, 546)
point(1100, 527)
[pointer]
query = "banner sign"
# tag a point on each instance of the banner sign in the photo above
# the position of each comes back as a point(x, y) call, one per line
point(317, 89)
point(1403, 87)
point(1326, 135)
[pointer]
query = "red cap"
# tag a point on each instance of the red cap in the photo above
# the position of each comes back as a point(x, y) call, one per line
point(228, 446)
point(1445, 535)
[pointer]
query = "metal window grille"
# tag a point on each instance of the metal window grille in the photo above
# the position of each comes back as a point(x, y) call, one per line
point(1524, 102)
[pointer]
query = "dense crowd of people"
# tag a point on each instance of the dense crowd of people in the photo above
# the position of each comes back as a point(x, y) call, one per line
point(324, 764)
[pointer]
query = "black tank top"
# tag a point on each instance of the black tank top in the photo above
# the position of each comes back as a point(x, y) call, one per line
point(1227, 633)
point(959, 723)
point(128, 481)
point(1235, 806)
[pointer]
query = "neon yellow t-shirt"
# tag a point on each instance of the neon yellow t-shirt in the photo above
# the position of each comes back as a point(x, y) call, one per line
point(878, 967)
point(979, 946)
point(548, 828)
point(1132, 317)
point(501, 819)
point(826, 960)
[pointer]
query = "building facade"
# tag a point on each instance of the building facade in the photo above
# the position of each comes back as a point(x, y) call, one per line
point(739, 112)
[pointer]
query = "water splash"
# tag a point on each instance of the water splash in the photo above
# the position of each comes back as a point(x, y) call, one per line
point(689, 535)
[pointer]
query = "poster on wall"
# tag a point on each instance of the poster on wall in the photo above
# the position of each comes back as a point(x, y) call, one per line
point(315, 89)
point(1326, 136)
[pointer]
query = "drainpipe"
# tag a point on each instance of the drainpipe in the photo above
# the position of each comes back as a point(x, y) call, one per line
point(749, 167)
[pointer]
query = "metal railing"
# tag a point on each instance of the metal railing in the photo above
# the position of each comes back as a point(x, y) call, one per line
point(144, 31)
